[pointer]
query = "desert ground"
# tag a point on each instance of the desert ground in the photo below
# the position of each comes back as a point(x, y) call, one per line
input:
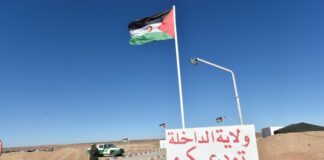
point(290, 146)
point(136, 148)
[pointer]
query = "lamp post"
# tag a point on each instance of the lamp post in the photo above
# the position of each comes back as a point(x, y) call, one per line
point(196, 60)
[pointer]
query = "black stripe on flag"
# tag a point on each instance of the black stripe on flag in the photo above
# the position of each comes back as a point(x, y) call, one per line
point(140, 23)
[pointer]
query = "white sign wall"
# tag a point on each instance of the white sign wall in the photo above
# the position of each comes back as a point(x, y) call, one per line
point(212, 143)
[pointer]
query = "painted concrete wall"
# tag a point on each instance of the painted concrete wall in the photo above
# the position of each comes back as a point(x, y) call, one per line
point(162, 144)
point(269, 131)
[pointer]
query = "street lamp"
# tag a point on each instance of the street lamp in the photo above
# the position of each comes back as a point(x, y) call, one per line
point(196, 60)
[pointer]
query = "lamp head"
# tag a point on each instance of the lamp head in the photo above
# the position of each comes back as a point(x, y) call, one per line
point(194, 61)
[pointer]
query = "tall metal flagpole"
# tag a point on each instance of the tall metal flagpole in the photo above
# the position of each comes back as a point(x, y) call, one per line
point(178, 67)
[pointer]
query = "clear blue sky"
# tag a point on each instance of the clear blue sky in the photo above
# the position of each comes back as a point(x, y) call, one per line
point(69, 75)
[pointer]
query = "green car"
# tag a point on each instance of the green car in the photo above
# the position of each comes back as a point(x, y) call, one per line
point(109, 150)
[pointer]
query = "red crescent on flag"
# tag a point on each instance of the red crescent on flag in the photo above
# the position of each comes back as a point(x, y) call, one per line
point(149, 28)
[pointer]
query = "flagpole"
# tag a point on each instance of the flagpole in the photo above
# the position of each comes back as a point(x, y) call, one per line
point(128, 145)
point(178, 67)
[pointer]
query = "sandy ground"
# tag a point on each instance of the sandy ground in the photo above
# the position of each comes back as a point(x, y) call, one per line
point(78, 151)
point(292, 146)
point(68, 153)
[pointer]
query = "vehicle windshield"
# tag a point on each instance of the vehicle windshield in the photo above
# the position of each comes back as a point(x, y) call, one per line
point(110, 146)
point(101, 146)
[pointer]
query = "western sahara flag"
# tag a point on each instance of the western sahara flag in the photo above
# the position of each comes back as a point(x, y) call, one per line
point(154, 28)
point(220, 119)
point(163, 125)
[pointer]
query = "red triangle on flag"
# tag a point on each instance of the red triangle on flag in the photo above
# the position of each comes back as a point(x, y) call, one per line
point(167, 25)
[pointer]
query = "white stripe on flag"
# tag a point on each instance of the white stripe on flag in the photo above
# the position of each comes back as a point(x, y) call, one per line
point(152, 28)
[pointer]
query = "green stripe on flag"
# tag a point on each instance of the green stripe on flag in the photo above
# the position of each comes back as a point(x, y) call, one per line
point(149, 37)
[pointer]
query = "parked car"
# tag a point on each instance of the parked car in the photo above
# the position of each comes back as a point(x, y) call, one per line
point(109, 150)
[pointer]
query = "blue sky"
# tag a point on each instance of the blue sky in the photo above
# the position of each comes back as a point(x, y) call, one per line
point(69, 75)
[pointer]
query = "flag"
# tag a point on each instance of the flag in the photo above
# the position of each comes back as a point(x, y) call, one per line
point(125, 140)
point(163, 125)
point(220, 119)
point(154, 28)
